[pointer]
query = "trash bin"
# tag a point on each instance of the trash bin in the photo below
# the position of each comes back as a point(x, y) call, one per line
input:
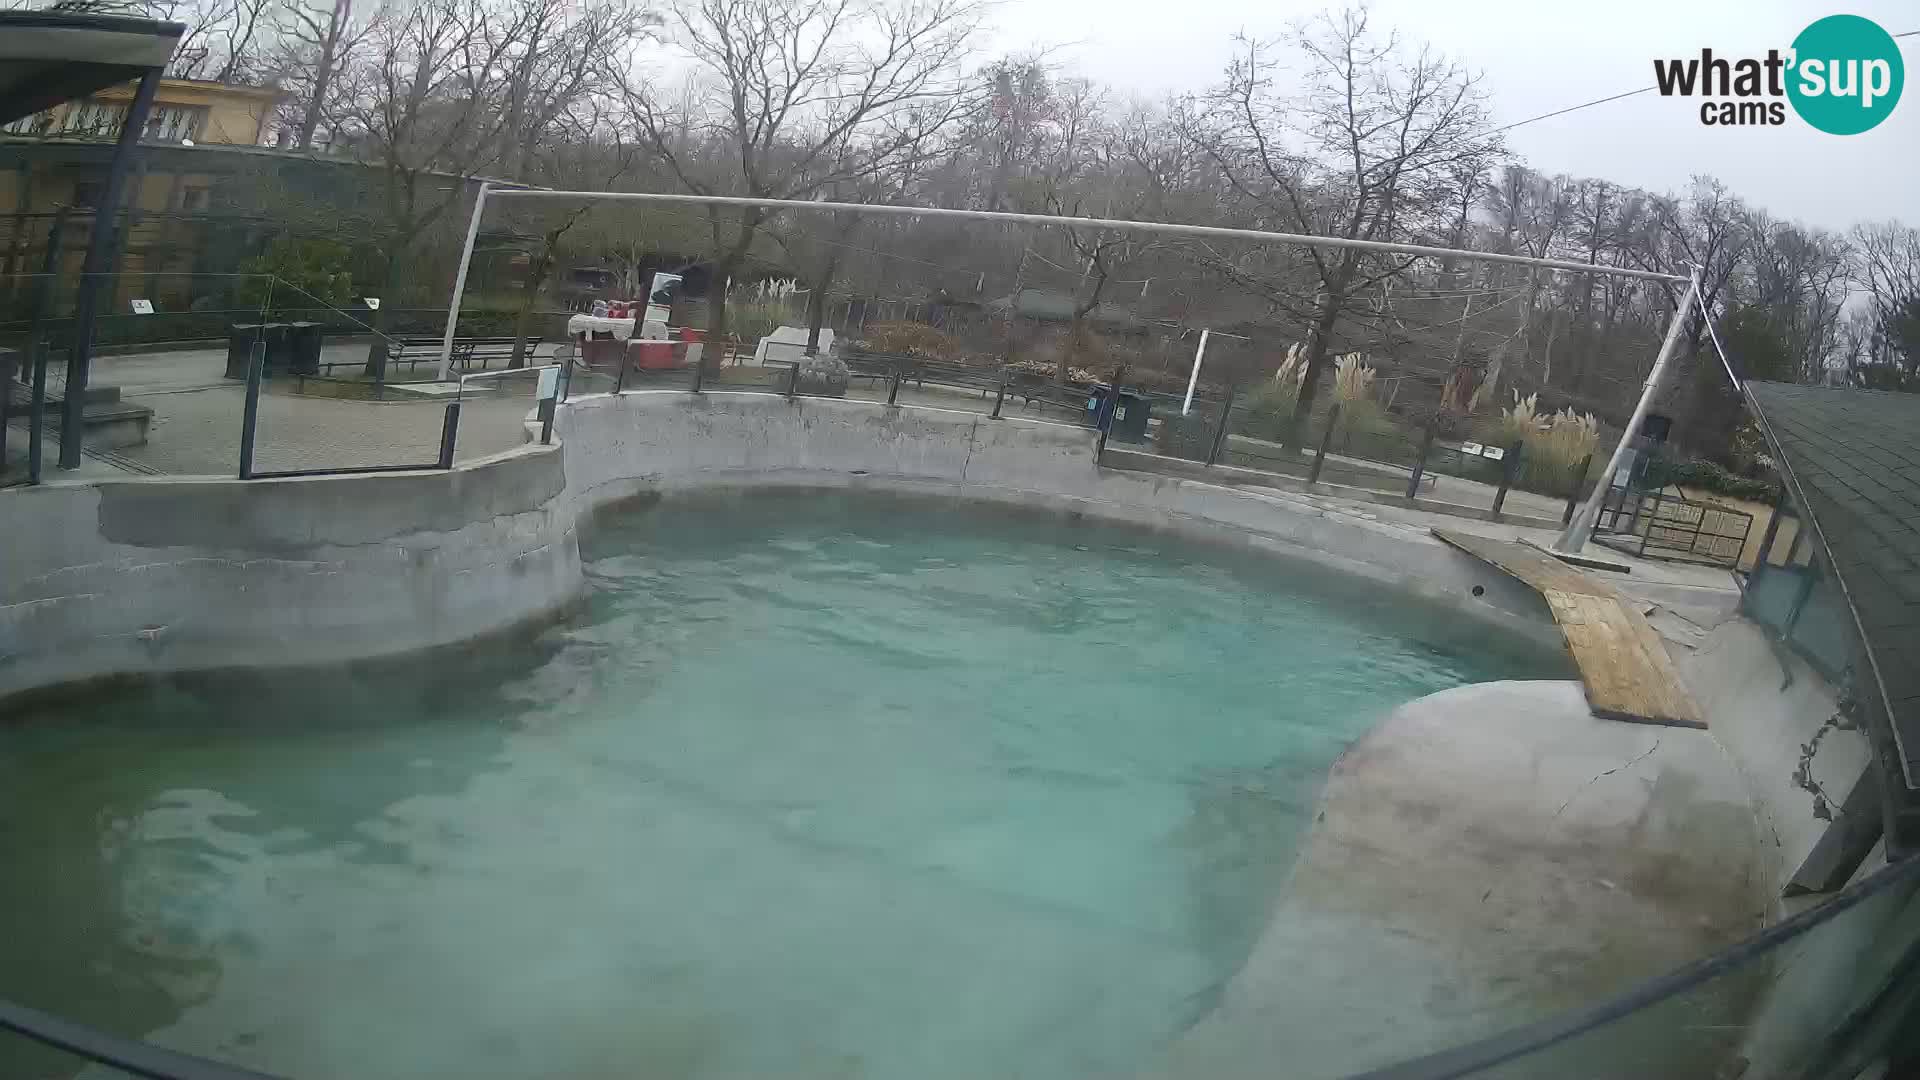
point(240, 338)
point(1122, 412)
point(303, 347)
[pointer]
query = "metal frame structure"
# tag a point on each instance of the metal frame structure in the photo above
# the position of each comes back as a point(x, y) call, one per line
point(1578, 530)
point(51, 57)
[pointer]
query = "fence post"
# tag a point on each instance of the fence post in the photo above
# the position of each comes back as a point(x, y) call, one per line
point(1420, 466)
point(1320, 454)
point(699, 376)
point(1652, 519)
point(1220, 429)
point(1000, 395)
point(1579, 481)
point(620, 379)
point(1509, 468)
point(7, 366)
point(893, 385)
point(37, 419)
point(793, 380)
point(449, 431)
point(250, 412)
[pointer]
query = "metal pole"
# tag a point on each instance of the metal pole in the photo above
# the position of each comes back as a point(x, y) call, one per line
point(793, 380)
point(1220, 429)
point(1112, 224)
point(460, 282)
point(1580, 530)
point(1420, 466)
point(250, 412)
point(893, 385)
point(1573, 492)
point(1193, 378)
point(1320, 455)
point(37, 419)
point(7, 368)
point(699, 376)
point(1509, 467)
point(99, 247)
point(449, 433)
point(1000, 396)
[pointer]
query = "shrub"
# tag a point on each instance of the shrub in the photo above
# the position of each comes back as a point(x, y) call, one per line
point(912, 339)
point(1707, 476)
point(1552, 446)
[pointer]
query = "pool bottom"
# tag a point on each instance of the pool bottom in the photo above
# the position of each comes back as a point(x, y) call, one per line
point(817, 785)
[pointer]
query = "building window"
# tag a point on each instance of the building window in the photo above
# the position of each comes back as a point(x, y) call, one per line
point(1793, 594)
point(193, 199)
point(87, 193)
point(174, 123)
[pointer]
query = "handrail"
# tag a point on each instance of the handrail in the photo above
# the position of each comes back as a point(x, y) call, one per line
point(142, 1059)
point(1495, 1050)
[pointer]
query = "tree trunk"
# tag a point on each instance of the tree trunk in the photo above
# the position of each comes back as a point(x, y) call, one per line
point(536, 277)
point(723, 269)
point(1319, 337)
point(377, 319)
point(817, 302)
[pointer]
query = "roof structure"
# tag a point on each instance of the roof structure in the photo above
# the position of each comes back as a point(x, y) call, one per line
point(1852, 459)
point(47, 57)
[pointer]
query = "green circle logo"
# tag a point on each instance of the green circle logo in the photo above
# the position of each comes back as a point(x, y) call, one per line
point(1846, 75)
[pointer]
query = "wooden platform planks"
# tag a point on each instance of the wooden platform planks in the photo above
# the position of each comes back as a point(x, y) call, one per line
point(1623, 663)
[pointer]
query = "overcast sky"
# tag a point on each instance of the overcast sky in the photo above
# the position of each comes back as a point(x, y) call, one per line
point(1537, 56)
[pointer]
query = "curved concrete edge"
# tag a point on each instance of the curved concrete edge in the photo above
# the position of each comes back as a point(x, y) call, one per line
point(173, 574)
point(667, 442)
point(1491, 855)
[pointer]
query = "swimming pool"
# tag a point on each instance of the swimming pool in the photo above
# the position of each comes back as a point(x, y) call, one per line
point(817, 785)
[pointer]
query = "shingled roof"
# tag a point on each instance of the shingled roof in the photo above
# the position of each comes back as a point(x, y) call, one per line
point(1852, 458)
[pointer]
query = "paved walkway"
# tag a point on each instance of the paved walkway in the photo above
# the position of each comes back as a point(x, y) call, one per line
point(197, 417)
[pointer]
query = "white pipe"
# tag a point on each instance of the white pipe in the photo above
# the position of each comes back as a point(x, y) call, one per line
point(1194, 378)
point(1097, 223)
point(1581, 527)
point(460, 283)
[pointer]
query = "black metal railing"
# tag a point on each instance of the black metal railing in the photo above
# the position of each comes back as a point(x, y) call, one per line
point(1661, 525)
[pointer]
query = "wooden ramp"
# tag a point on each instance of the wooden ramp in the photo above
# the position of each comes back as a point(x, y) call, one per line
point(1622, 661)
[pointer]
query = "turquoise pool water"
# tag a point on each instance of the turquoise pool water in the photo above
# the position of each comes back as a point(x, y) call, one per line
point(812, 786)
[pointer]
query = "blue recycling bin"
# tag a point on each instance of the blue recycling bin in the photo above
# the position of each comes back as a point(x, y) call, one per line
point(1121, 412)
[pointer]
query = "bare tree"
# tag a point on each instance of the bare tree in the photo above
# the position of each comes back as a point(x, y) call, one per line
point(794, 97)
point(318, 41)
point(1365, 152)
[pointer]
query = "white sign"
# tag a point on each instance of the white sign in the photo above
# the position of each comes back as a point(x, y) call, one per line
point(373, 302)
point(1473, 448)
point(1495, 452)
point(143, 307)
point(549, 384)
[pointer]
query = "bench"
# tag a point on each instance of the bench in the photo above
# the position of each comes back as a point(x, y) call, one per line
point(414, 351)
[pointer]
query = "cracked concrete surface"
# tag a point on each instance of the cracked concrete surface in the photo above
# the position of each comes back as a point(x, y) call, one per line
point(1487, 856)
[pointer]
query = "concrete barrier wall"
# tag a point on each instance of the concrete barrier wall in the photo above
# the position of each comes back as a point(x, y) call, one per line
point(145, 576)
point(170, 574)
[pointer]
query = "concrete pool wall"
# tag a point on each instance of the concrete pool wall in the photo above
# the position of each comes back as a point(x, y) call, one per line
point(145, 576)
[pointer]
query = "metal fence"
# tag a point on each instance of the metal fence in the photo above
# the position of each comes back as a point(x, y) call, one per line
point(1657, 524)
point(1368, 452)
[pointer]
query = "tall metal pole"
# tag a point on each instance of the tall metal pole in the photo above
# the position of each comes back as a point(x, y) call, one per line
point(1581, 527)
point(460, 282)
point(1193, 379)
point(99, 249)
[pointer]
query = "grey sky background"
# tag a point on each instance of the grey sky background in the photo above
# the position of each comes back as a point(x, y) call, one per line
point(1537, 56)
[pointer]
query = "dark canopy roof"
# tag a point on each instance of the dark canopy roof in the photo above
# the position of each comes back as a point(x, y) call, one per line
point(47, 57)
point(1853, 460)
